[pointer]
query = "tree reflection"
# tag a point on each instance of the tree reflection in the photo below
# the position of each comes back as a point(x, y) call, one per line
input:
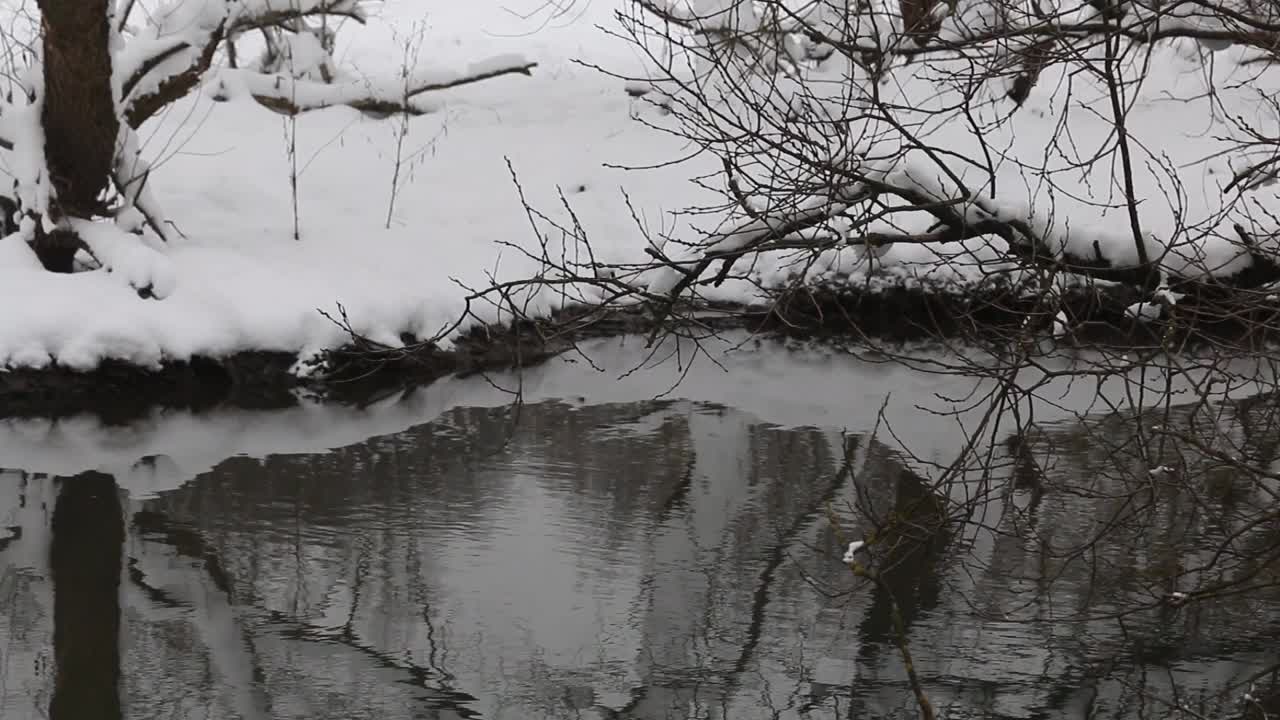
point(669, 560)
point(915, 541)
point(85, 561)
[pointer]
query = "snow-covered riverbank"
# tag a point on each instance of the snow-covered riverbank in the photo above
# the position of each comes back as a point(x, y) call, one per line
point(241, 282)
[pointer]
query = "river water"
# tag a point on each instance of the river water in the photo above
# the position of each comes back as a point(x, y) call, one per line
point(604, 549)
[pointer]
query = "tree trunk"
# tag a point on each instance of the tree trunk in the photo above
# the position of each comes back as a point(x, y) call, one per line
point(79, 117)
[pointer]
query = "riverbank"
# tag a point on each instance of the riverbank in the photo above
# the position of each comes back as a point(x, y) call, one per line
point(991, 316)
point(399, 227)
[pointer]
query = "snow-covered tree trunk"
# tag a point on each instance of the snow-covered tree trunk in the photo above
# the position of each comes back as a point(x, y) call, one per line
point(79, 117)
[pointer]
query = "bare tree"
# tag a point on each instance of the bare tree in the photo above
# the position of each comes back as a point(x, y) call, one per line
point(829, 119)
point(849, 205)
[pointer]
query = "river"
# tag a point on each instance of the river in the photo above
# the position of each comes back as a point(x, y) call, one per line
point(664, 543)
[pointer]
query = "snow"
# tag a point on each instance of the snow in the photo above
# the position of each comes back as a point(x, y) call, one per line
point(133, 174)
point(20, 125)
point(119, 253)
point(232, 277)
point(179, 27)
point(851, 552)
point(16, 253)
point(1060, 326)
point(1144, 311)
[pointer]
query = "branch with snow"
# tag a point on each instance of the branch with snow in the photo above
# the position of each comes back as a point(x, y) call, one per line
point(670, 11)
point(946, 117)
point(879, 32)
point(131, 175)
point(167, 76)
point(851, 553)
point(958, 219)
point(254, 14)
point(293, 95)
point(167, 59)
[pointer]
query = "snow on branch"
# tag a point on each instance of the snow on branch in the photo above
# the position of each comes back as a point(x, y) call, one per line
point(291, 96)
point(830, 221)
point(713, 17)
point(171, 76)
point(167, 59)
point(131, 175)
point(879, 29)
point(255, 14)
point(23, 132)
point(669, 11)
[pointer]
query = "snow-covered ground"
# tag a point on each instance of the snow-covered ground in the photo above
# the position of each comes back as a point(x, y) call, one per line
point(239, 279)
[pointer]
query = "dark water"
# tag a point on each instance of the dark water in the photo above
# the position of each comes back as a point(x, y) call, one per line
point(657, 559)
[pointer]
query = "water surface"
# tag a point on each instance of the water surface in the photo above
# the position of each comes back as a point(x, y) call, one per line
point(584, 558)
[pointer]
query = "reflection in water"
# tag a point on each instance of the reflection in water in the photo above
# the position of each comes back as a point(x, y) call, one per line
point(86, 546)
point(643, 560)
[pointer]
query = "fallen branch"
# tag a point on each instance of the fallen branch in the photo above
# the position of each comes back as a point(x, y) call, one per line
point(291, 97)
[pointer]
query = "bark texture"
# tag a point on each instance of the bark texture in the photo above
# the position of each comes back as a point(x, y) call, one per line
point(79, 117)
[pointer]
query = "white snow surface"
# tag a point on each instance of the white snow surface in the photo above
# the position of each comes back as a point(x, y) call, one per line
point(851, 553)
point(234, 278)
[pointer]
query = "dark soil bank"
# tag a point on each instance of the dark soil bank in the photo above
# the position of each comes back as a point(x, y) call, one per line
point(993, 315)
